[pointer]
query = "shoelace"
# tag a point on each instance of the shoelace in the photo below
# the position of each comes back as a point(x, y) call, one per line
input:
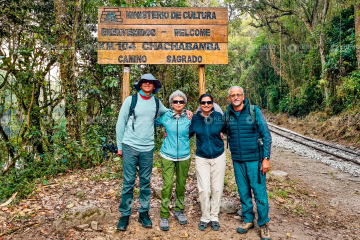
point(181, 216)
point(266, 230)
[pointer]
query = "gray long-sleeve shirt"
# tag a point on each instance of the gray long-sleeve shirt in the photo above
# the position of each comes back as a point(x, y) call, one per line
point(142, 137)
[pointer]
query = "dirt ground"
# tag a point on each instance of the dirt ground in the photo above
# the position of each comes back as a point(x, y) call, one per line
point(315, 201)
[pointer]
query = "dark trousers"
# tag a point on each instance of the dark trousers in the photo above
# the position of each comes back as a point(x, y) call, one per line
point(246, 175)
point(131, 159)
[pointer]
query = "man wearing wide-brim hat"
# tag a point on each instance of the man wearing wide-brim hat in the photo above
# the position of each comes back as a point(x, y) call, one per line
point(135, 142)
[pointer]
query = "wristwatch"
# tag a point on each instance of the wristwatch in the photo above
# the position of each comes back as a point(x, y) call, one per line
point(267, 158)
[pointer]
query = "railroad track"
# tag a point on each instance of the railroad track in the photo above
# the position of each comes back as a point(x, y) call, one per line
point(335, 150)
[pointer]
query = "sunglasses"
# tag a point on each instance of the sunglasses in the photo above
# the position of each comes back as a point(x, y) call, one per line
point(178, 102)
point(147, 81)
point(206, 102)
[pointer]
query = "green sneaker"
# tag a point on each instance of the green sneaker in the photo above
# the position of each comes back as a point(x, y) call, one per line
point(244, 228)
point(203, 226)
point(145, 220)
point(215, 225)
point(123, 223)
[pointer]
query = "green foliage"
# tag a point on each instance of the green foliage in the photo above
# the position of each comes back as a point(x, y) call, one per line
point(279, 72)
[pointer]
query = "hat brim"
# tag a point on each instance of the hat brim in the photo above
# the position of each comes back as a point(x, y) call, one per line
point(156, 82)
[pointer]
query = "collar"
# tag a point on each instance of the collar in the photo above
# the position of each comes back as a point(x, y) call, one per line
point(143, 96)
point(246, 103)
point(175, 115)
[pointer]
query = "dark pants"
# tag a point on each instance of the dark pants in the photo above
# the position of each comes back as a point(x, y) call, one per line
point(246, 175)
point(131, 159)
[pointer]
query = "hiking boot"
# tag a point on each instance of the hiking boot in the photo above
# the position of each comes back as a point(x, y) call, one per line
point(123, 223)
point(244, 227)
point(203, 226)
point(215, 225)
point(180, 217)
point(265, 232)
point(145, 220)
point(164, 224)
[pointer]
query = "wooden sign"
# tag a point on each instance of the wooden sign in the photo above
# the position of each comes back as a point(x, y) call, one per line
point(162, 36)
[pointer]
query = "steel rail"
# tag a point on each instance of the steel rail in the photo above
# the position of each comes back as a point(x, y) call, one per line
point(314, 140)
point(318, 148)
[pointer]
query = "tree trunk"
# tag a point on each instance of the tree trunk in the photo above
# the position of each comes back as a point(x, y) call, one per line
point(67, 60)
point(357, 31)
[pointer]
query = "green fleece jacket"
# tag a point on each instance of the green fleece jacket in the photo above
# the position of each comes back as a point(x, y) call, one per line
point(142, 137)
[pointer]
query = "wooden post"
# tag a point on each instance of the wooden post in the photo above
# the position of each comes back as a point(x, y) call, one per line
point(126, 77)
point(126, 82)
point(202, 86)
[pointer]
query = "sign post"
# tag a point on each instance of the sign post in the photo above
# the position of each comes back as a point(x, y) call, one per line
point(202, 85)
point(162, 36)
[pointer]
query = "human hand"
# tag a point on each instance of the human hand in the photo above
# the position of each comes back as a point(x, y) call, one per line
point(265, 166)
point(119, 153)
point(189, 114)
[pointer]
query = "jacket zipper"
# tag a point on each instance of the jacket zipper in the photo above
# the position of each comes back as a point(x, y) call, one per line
point(237, 120)
point(208, 139)
point(177, 138)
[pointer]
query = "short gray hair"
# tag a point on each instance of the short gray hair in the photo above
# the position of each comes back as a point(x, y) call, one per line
point(235, 87)
point(177, 93)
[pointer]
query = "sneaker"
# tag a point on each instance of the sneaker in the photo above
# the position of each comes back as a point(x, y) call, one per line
point(123, 223)
point(180, 217)
point(164, 224)
point(244, 228)
point(203, 226)
point(215, 225)
point(145, 220)
point(265, 232)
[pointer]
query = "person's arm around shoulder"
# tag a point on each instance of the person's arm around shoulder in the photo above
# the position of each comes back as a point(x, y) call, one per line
point(160, 121)
point(162, 109)
point(121, 124)
point(191, 128)
point(266, 137)
point(219, 120)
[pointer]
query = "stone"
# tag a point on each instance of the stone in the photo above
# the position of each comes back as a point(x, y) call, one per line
point(40, 219)
point(82, 215)
point(239, 213)
point(228, 207)
point(277, 175)
point(157, 192)
point(109, 237)
point(94, 225)
point(83, 226)
point(99, 238)
point(334, 202)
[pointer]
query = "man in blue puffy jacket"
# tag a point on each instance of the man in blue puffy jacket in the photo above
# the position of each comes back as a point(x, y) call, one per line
point(250, 145)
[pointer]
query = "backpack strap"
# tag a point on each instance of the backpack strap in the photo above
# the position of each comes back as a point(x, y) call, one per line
point(227, 117)
point(157, 102)
point(253, 115)
point(132, 109)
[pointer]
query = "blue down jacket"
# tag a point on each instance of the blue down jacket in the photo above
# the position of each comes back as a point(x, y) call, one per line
point(244, 134)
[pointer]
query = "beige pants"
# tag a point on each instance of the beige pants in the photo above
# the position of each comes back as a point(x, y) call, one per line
point(210, 175)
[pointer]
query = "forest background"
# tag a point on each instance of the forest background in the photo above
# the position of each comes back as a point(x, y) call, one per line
point(58, 106)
